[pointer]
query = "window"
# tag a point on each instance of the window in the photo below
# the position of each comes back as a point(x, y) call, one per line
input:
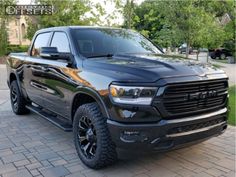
point(40, 41)
point(60, 41)
point(92, 42)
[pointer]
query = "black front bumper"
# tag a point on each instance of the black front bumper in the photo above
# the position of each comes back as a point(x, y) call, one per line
point(167, 134)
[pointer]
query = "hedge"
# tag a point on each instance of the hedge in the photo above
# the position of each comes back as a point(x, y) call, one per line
point(17, 48)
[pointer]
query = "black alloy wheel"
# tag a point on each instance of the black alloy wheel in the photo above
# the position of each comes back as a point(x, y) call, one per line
point(18, 102)
point(87, 137)
point(14, 98)
point(92, 138)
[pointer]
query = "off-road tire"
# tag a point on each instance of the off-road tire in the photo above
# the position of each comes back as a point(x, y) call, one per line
point(222, 56)
point(18, 102)
point(105, 153)
point(213, 56)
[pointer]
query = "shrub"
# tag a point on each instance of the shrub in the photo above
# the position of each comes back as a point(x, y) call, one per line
point(16, 48)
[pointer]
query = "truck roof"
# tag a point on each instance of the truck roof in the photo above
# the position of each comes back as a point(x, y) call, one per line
point(66, 28)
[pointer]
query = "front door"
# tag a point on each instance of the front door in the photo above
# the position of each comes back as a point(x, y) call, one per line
point(56, 81)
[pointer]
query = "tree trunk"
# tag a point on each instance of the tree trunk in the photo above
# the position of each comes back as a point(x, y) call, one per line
point(3, 38)
point(197, 54)
point(187, 49)
point(207, 55)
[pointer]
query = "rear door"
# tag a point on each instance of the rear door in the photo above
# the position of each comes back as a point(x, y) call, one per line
point(33, 70)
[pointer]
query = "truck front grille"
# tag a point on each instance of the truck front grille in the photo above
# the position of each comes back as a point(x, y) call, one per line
point(188, 98)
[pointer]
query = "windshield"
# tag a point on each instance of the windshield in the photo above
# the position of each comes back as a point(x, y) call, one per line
point(98, 42)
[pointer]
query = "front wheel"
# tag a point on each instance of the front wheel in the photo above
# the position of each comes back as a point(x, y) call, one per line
point(92, 137)
point(18, 102)
point(213, 56)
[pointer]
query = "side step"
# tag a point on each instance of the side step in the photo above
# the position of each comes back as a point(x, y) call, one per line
point(53, 119)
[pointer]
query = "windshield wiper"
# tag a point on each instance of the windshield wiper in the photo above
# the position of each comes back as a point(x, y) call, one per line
point(102, 55)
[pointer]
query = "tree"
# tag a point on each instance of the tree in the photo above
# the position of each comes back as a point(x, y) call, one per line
point(151, 23)
point(191, 22)
point(3, 39)
point(126, 8)
point(211, 37)
point(68, 12)
point(230, 32)
point(128, 13)
point(3, 30)
point(220, 9)
point(170, 23)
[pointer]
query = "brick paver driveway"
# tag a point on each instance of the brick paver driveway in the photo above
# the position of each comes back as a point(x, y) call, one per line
point(31, 146)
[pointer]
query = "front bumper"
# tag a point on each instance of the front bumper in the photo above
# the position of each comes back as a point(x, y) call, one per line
point(167, 134)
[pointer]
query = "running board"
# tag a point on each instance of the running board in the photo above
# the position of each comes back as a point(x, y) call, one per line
point(53, 119)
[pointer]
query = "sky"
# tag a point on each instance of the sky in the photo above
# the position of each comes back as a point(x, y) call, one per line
point(23, 2)
point(108, 6)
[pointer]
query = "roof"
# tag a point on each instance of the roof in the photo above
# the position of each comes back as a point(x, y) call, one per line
point(66, 28)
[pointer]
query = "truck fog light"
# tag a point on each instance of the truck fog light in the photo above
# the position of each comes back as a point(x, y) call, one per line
point(133, 136)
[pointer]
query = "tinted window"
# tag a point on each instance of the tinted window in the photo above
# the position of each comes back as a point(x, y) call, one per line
point(40, 41)
point(92, 42)
point(60, 41)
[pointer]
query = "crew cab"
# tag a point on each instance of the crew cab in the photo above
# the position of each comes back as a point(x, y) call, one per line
point(116, 90)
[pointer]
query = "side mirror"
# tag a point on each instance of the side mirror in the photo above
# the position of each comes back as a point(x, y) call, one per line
point(52, 53)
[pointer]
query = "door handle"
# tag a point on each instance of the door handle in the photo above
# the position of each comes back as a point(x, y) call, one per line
point(41, 87)
point(37, 85)
point(40, 68)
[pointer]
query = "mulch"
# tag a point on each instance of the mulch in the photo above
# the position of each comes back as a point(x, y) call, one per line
point(3, 60)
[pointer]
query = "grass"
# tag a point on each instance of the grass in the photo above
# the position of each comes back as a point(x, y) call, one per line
point(217, 65)
point(232, 114)
point(220, 61)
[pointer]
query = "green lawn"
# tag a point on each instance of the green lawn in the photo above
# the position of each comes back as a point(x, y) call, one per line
point(217, 65)
point(220, 61)
point(232, 119)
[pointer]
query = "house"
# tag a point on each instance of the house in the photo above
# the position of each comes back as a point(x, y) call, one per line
point(16, 28)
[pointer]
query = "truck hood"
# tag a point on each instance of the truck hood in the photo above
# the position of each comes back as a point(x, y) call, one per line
point(147, 67)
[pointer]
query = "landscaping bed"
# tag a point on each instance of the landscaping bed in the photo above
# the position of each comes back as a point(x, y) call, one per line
point(3, 59)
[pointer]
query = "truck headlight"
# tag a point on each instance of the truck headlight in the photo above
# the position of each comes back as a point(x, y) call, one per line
point(132, 94)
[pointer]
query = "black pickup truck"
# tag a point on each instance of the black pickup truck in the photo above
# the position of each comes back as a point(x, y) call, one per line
point(116, 90)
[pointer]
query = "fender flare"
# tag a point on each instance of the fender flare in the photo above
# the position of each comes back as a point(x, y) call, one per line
point(17, 79)
point(92, 93)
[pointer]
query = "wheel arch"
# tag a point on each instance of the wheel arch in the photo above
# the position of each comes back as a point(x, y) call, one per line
point(13, 76)
point(88, 95)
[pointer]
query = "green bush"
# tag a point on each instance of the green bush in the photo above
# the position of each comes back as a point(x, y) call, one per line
point(232, 105)
point(3, 38)
point(17, 48)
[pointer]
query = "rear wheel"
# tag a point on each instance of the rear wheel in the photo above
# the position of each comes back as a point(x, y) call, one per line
point(17, 100)
point(222, 56)
point(92, 138)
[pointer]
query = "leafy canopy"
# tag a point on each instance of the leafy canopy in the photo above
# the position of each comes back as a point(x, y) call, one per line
point(195, 22)
point(66, 13)
point(3, 22)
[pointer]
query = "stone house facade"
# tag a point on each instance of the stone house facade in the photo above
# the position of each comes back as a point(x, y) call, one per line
point(16, 28)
